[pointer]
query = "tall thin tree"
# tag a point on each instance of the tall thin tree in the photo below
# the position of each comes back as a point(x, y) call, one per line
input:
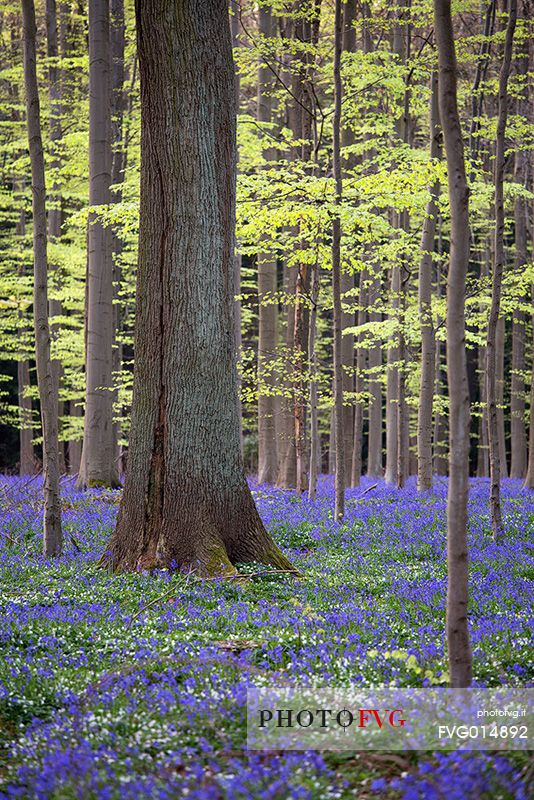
point(428, 340)
point(98, 467)
point(495, 448)
point(460, 659)
point(336, 268)
point(52, 533)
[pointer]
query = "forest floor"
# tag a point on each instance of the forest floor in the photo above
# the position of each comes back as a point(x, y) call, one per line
point(134, 686)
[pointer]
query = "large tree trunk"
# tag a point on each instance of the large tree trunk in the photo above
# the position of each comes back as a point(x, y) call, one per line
point(98, 467)
point(336, 271)
point(186, 503)
point(428, 341)
point(52, 534)
point(268, 307)
point(460, 660)
point(496, 463)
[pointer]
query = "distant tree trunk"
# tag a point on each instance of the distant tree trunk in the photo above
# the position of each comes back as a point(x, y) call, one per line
point(268, 307)
point(315, 441)
point(374, 457)
point(98, 467)
point(357, 438)
point(518, 466)
point(336, 270)
point(402, 408)
point(392, 382)
point(440, 421)
point(75, 445)
point(483, 447)
point(55, 212)
point(27, 463)
point(499, 352)
point(186, 503)
point(459, 648)
point(238, 259)
point(347, 278)
point(428, 367)
point(529, 478)
point(118, 107)
point(306, 31)
point(493, 351)
point(52, 534)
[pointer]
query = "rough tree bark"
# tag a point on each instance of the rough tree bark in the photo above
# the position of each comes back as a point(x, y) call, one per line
point(98, 467)
point(268, 308)
point(336, 270)
point(52, 534)
point(459, 648)
point(495, 445)
point(186, 502)
point(428, 339)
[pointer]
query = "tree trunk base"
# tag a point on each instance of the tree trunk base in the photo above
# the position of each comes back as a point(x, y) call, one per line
point(198, 538)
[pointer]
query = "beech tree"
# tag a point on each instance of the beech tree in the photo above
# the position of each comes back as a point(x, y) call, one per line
point(459, 648)
point(186, 502)
point(497, 453)
point(52, 533)
point(336, 269)
point(98, 465)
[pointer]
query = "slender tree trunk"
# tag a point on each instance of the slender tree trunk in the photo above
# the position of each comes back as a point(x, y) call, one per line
point(307, 31)
point(315, 441)
point(336, 271)
point(495, 445)
point(357, 439)
point(186, 503)
point(483, 447)
point(460, 659)
point(98, 467)
point(347, 278)
point(238, 259)
point(392, 382)
point(268, 307)
point(55, 212)
point(27, 463)
point(518, 466)
point(529, 478)
point(374, 458)
point(74, 453)
point(428, 339)
point(440, 420)
point(52, 534)
point(118, 107)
